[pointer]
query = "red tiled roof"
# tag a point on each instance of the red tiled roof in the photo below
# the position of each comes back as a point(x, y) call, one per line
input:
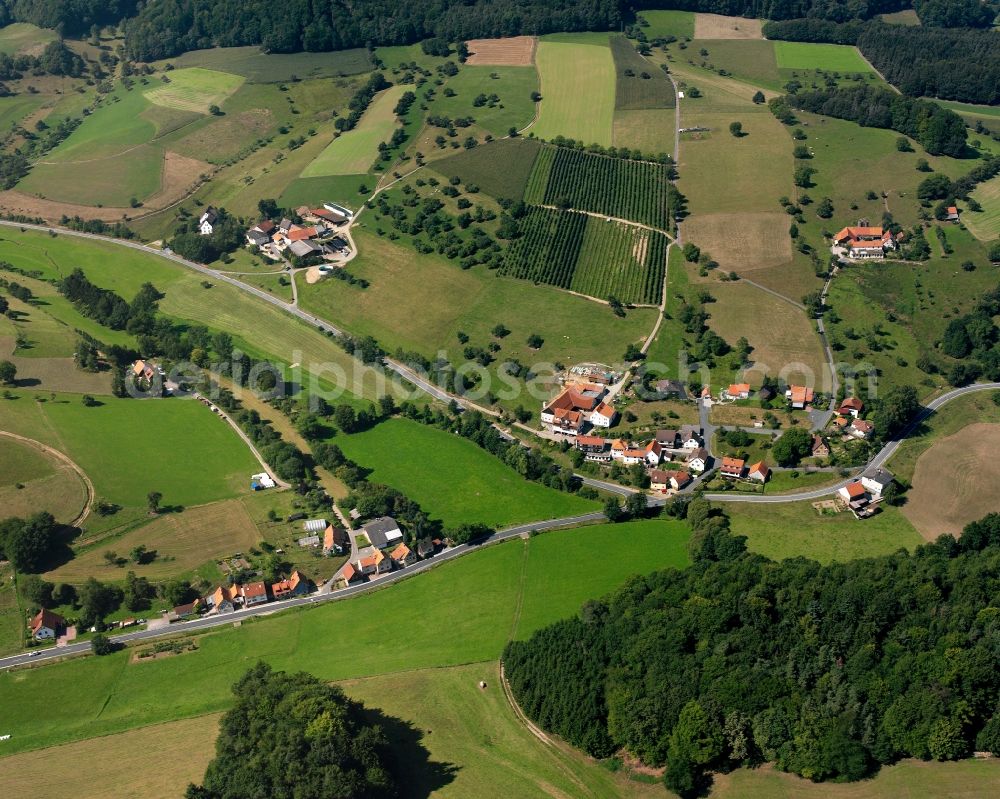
point(252, 590)
point(801, 394)
point(852, 404)
point(855, 490)
point(348, 573)
point(46, 618)
point(605, 410)
point(590, 441)
point(400, 552)
point(738, 388)
point(302, 233)
point(656, 476)
point(733, 464)
point(760, 468)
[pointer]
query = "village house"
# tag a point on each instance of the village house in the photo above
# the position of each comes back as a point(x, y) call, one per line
point(295, 585)
point(854, 495)
point(426, 548)
point(732, 467)
point(865, 242)
point(223, 599)
point(603, 415)
point(254, 594)
point(594, 448)
point(670, 389)
point(679, 480)
point(349, 574)
point(373, 561)
point(382, 532)
point(690, 437)
point(659, 481)
point(335, 540)
point(403, 556)
point(799, 396)
point(206, 222)
point(876, 481)
point(851, 406)
point(859, 428)
point(697, 460)
point(820, 449)
point(666, 438)
point(759, 473)
point(145, 370)
point(737, 391)
point(46, 625)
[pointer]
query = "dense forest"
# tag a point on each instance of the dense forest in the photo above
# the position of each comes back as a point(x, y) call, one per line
point(69, 17)
point(294, 735)
point(172, 26)
point(836, 10)
point(829, 671)
point(939, 130)
point(955, 13)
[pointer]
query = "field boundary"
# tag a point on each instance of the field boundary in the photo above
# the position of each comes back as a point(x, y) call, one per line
point(64, 458)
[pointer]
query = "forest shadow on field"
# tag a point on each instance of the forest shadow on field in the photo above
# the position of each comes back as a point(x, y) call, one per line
point(417, 776)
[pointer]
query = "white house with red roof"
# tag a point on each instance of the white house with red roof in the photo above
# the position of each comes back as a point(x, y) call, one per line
point(575, 407)
point(603, 415)
point(799, 396)
point(851, 406)
point(254, 594)
point(732, 467)
point(865, 242)
point(737, 391)
point(46, 625)
point(759, 473)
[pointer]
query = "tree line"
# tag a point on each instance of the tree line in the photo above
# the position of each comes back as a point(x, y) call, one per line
point(830, 671)
point(939, 130)
point(68, 17)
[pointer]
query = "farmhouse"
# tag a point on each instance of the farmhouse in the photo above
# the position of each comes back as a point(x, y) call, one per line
point(854, 495)
point(876, 481)
point(865, 242)
point(630, 454)
point(147, 370)
point(296, 585)
point(206, 223)
point(303, 248)
point(759, 473)
point(575, 406)
point(403, 556)
point(383, 531)
point(732, 467)
point(799, 396)
point(736, 391)
point(46, 625)
point(951, 214)
point(851, 406)
point(223, 599)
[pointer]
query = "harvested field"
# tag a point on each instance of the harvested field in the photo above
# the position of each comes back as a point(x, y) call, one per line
point(195, 89)
point(516, 51)
point(124, 760)
point(985, 224)
point(955, 482)
point(47, 483)
point(651, 131)
point(182, 541)
point(714, 26)
point(578, 90)
point(742, 242)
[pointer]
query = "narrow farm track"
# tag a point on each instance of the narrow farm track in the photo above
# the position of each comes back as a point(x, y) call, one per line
point(64, 459)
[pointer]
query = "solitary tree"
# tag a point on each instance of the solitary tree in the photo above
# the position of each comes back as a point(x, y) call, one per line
point(613, 510)
point(759, 98)
point(100, 644)
point(153, 501)
point(8, 373)
point(736, 128)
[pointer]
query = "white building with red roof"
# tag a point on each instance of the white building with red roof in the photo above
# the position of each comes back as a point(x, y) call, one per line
point(865, 242)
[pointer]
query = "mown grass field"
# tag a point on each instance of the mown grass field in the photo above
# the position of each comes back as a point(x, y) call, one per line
point(501, 168)
point(752, 60)
point(717, 26)
point(391, 630)
point(259, 67)
point(258, 328)
point(795, 529)
point(452, 479)
point(985, 224)
point(650, 131)
point(195, 89)
point(832, 57)
point(578, 91)
point(355, 151)
point(131, 447)
point(19, 37)
point(421, 302)
point(33, 481)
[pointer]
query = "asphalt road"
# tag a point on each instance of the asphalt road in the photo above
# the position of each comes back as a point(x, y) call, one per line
point(208, 622)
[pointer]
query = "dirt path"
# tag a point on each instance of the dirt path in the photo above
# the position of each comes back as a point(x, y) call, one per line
point(65, 459)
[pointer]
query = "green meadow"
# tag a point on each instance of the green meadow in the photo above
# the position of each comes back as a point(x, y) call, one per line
point(355, 151)
point(195, 89)
point(577, 76)
point(131, 447)
point(452, 479)
point(20, 36)
point(513, 85)
point(260, 67)
point(831, 57)
point(461, 612)
point(668, 23)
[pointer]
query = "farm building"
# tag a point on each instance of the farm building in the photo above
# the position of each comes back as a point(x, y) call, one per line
point(259, 482)
point(575, 407)
point(309, 541)
point(952, 214)
point(382, 532)
point(865, 242)
point(339, 210)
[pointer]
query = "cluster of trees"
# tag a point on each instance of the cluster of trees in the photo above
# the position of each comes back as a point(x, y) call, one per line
point(940, 130)
point(109, 309)
point(69, 17)
point(829, 671)
point(227, 235)
point(934, 62)
point(29, 543)
point(55, 59)
point(295, 735)
point(624, 153)
point(161, 30)
point(955, 13)
point(361, 100)
point(13, 167)
point(972, 340)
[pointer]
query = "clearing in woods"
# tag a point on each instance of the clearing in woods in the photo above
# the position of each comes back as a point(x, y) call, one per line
point(668, 23)
point(955, 482)
point(578, 90)
point(832, 57)
point(195, 89)
point(516, 51)
point(714, 26)
point(354, 151)
point(985, 224)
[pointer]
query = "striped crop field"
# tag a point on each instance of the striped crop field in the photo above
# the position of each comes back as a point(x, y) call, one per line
point(588, 255)
point(638, 191)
